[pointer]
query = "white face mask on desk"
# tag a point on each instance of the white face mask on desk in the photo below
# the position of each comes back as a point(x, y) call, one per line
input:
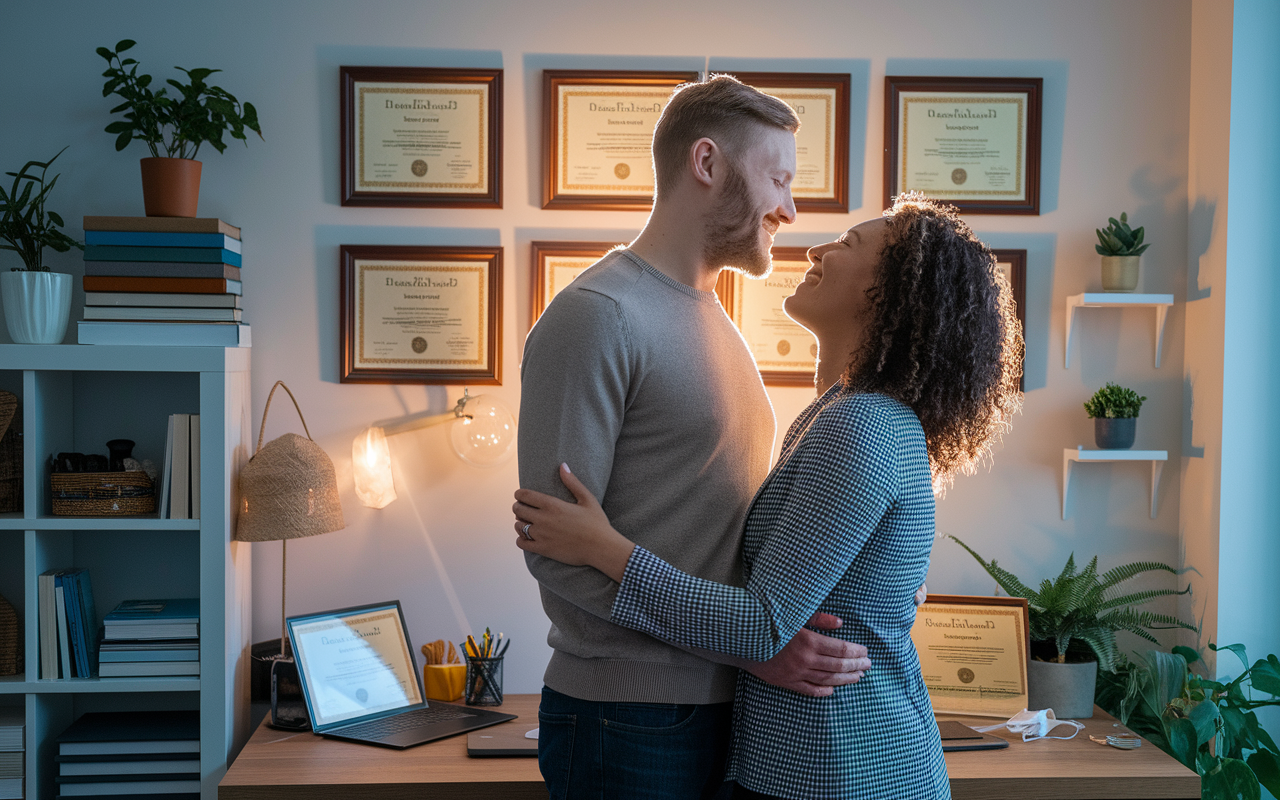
point(1035, 725)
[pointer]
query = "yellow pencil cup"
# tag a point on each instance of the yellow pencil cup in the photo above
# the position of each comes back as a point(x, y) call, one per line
point(444, 681)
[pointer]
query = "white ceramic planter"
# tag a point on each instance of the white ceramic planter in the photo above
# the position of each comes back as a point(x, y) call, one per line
point(1066, 688)
point(37, 305)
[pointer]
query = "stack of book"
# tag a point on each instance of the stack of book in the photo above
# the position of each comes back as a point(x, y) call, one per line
point(131, 753)
point(162, 280)
point(68, 625)
point(11, 752)
point(151, 638)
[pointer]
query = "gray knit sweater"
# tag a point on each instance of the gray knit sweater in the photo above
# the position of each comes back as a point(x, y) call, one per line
point(646, 389)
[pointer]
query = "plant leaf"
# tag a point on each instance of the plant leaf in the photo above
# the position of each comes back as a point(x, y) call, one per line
point(1232, 779)
point(1186, 652)
point(1182, 740)
point(122, 141)
point(1266, 767)
point(1265, 675)
point(1238, 649)
point(1204, 716)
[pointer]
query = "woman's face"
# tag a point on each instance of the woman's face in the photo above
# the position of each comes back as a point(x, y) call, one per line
point(832, 300)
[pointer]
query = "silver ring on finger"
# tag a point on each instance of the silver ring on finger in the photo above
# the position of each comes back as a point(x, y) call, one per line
point(525, 531)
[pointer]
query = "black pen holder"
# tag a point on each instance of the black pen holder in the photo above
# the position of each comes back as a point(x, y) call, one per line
point(484, 681)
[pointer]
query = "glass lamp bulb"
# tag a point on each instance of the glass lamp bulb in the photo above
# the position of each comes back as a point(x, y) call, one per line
point(486, 436)
point(371, 468)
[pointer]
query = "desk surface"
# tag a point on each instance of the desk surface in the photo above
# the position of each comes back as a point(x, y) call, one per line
point(278, 766)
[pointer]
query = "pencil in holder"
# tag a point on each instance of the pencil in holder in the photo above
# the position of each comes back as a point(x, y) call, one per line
point(484, 681)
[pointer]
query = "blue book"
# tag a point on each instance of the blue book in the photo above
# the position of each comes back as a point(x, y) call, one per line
point(81, 620)
point(204, 255)
point(89, 623)
point(190, 654)
point(160, 239)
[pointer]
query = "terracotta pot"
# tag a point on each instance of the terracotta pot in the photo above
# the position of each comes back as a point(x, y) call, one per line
point(1119, 273)
point(170, 186)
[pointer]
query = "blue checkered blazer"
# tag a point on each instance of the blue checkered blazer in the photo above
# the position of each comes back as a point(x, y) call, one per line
point(843, 524)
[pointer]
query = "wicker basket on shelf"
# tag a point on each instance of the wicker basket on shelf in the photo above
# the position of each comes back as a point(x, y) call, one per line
point(102, 494)
point(10, 639)
point(10, 453)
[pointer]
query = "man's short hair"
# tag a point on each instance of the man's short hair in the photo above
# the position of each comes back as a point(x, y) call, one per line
point(722, 109)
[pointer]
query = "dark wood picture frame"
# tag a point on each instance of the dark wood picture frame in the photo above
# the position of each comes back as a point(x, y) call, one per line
point(1017, 261)
point(894, 85)
point(838, 202)
point(489, 197)
point(727, 292)
point(552, 80)
point(490, 374)
point(545, 250)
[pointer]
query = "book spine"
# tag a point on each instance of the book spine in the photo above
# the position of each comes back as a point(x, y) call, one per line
point(64, 645)
point(161, 269)
point(173, 334)
point(102, 252)
point(161, 224)
point(162, 239)
point(168, 285)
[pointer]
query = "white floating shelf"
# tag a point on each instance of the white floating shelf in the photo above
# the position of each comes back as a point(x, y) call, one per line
point(1071, 455)
point(1160, 302)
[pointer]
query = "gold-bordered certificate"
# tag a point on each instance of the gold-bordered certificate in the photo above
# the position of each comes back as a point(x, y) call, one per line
point(973, 142)
point(973, 653)
point(556, 264)
point(821, 101)
point(785, 353)
point(420, 314)
point(420, 136)
point(599, 134)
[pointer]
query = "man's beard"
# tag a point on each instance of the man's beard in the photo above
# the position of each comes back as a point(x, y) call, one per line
point(733, 230)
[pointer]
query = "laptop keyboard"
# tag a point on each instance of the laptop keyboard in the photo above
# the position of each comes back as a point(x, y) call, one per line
point(404, 722)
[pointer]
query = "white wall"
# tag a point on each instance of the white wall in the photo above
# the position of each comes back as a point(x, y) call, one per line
point(1116, 139)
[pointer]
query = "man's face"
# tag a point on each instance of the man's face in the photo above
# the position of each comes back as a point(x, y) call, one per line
point(753, 202)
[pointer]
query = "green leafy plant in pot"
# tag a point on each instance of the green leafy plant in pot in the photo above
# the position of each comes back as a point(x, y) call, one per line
point(1114, 410)
point(174, 126)
point(1210, 726)
point(1073, 620)
point(37, 302)
point(1120, 247)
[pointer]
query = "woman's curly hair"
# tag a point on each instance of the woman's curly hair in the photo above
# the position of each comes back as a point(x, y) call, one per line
point(943, 335)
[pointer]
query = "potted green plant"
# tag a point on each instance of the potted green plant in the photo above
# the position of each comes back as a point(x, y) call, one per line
point(1210, 726)
point(173, 126)
point(1114, 410)
point(1120, 247)
point(1073, 620)
point(37, 302)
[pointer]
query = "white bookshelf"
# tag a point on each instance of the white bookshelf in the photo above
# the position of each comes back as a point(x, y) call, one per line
point(1079, 455)
point(74, 398)
point(1160, 302)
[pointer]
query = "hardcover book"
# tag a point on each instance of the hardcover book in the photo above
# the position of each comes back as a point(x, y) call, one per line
point(103, 252)
point(162, 224)
point(103, 283)
point(162, 269)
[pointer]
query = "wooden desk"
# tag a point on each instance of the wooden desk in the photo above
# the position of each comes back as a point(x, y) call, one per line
point(278, 766)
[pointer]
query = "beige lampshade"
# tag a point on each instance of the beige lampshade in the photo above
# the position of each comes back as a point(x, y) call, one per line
point(288, 489)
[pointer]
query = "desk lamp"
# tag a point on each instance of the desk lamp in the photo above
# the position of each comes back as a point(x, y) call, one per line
point(287, 490)
point(483, 434)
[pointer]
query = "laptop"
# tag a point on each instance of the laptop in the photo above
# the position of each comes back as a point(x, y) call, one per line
point(361, 683)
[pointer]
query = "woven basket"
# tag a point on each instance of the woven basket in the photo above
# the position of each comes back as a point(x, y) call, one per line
point(10, 453)
point(10, 639)
point(101, 494)
point(289, 488)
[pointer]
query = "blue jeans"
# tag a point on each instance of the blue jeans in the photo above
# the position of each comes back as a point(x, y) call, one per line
point(647, 751)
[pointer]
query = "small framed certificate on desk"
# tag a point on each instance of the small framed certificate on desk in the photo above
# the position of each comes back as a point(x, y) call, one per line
point(973, 142)
point(598, 133)
point(973, 653)
point(421, 137)
point(785, 353)
point(430, 315)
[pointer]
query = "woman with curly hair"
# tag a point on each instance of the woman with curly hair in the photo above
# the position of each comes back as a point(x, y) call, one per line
point(919, 354)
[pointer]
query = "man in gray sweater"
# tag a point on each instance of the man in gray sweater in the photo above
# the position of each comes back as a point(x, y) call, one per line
point(637, 379)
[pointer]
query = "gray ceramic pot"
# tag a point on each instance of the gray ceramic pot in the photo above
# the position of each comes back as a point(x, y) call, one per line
point(1066, 688)
point(1115, 434)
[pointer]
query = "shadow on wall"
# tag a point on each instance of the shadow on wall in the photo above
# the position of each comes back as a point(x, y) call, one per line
point(1040, 249)
point(1189, 449)
point(330, 57)
point(1053, 104)
point(328, 238)
point(535, 63)
point(1199, 237)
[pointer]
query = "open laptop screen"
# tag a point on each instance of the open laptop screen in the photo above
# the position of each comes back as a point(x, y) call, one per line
point(354, 663)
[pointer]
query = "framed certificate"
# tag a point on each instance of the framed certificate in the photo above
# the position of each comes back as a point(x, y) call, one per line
point(421, 137)
point(821, 100)
point(556, 264)
point(973, 653)
point(1013, 264)
point(973, 142)
point(430, 315)
point(785, 353)
point(598, 134)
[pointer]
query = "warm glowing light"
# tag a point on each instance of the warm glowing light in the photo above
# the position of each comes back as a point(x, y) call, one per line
point(371, 467)
point(486, 436)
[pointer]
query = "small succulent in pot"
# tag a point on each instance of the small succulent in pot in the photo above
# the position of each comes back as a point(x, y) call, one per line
point(1119, 245)
point(1114, 410)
